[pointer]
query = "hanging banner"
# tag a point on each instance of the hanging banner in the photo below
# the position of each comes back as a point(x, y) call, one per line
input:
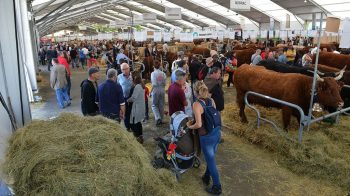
point(149, 18)
point(345, 36)
point(166, 37)
point(287, 21)
point(283, 35)
point(263, 34)
point(138, 19)
point(240, 5)
point(232, 35)
point(120, 23)
point(173, 13)
point(140, 36)
point(221, 36)
point(113, 24)
point(272, 24)
point(82, 27)
point(202, 34)
point(186, 37)
point(157, 36)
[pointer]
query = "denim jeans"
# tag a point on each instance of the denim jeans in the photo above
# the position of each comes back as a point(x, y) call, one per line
point(74, 62)
point(83, 62)
point(209, 146)
point(62, 97)
point(127, 114)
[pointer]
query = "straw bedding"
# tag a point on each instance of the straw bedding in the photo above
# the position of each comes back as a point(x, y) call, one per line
point(323, 154)
point(71, 155)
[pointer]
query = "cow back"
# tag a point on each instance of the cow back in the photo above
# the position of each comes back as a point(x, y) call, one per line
point(288, 87)
point(334, 60)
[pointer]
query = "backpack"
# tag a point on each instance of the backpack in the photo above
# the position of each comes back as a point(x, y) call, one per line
point(202, 73)
point(211, 115)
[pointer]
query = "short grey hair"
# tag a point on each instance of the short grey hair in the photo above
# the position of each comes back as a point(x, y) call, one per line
point(179, 75)
point(111, 73)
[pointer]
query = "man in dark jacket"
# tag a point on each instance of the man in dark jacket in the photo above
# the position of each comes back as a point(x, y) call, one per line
point(213, 82)
point(88, 93)
point(195, 66)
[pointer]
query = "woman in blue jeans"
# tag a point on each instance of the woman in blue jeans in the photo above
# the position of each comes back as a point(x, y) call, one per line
point(209, 139)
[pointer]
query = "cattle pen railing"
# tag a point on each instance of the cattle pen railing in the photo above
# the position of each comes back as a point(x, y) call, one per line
point(304, 120)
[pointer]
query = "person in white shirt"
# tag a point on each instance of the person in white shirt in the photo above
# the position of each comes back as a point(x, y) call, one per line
point(180, 57)
point(85, 50)
point(165, 48)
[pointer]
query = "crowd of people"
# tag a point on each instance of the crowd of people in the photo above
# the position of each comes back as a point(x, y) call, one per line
point(124, 95)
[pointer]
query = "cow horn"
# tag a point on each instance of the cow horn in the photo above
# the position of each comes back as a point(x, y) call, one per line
point(319, 78)
point(337, 73)
point(320, 73)
point(340, 76)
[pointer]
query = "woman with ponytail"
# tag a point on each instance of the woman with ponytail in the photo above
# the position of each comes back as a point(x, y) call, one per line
point(209, 139)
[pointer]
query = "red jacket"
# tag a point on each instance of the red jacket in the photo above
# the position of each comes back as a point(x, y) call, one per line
point(63, 61)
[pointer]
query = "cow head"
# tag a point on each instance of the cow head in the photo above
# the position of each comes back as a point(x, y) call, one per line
point(328, 91)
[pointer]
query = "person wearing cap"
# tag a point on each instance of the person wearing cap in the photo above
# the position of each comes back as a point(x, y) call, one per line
point(176, 95)
point(88, 93)
point(110, 97)
point(214, 83)
point(180, 57)
point(181, 67)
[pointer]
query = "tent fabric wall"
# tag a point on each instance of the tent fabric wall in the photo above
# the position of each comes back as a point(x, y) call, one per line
point(14, 87)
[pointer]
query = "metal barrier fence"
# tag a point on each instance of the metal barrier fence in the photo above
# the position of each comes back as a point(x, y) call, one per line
point(304, 120)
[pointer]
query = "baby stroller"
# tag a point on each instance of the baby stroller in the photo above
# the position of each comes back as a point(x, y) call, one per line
point(177, 150)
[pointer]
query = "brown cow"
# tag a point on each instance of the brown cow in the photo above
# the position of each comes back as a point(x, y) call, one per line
point(244, 56)
point(293, 88)
point(205, 52)
point(333, 60)
point(148, 62)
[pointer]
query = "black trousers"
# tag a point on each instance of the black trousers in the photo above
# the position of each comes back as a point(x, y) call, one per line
point(136, 129)
point(69, 85)
point(146, 109)
point(230, 79)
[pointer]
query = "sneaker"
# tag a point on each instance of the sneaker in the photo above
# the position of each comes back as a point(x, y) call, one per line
point(206, 179)
point(214, 190)
point(159, 122)
point(140, 139)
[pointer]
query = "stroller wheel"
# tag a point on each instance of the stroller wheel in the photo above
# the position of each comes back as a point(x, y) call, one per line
point(196, 162)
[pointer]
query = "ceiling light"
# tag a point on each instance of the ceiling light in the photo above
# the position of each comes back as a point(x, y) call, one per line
point(305, 1)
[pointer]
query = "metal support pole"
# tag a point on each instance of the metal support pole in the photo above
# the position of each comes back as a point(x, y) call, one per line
point(315, 72)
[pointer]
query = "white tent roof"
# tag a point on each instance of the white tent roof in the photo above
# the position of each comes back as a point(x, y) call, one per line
point(53, 15)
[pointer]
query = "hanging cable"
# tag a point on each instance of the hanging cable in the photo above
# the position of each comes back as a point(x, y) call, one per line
point(3, 103)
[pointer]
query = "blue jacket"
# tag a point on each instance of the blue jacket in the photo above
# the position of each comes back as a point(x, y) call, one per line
point(110, 97)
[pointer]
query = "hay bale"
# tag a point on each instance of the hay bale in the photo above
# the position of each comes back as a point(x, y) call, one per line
point(323, 154)
point(72, 155)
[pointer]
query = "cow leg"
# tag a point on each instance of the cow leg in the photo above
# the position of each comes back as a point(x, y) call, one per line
point(286, 114)
point(240, 102)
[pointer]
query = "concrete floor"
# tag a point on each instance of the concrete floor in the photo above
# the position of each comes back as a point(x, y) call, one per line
point(245, 169)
